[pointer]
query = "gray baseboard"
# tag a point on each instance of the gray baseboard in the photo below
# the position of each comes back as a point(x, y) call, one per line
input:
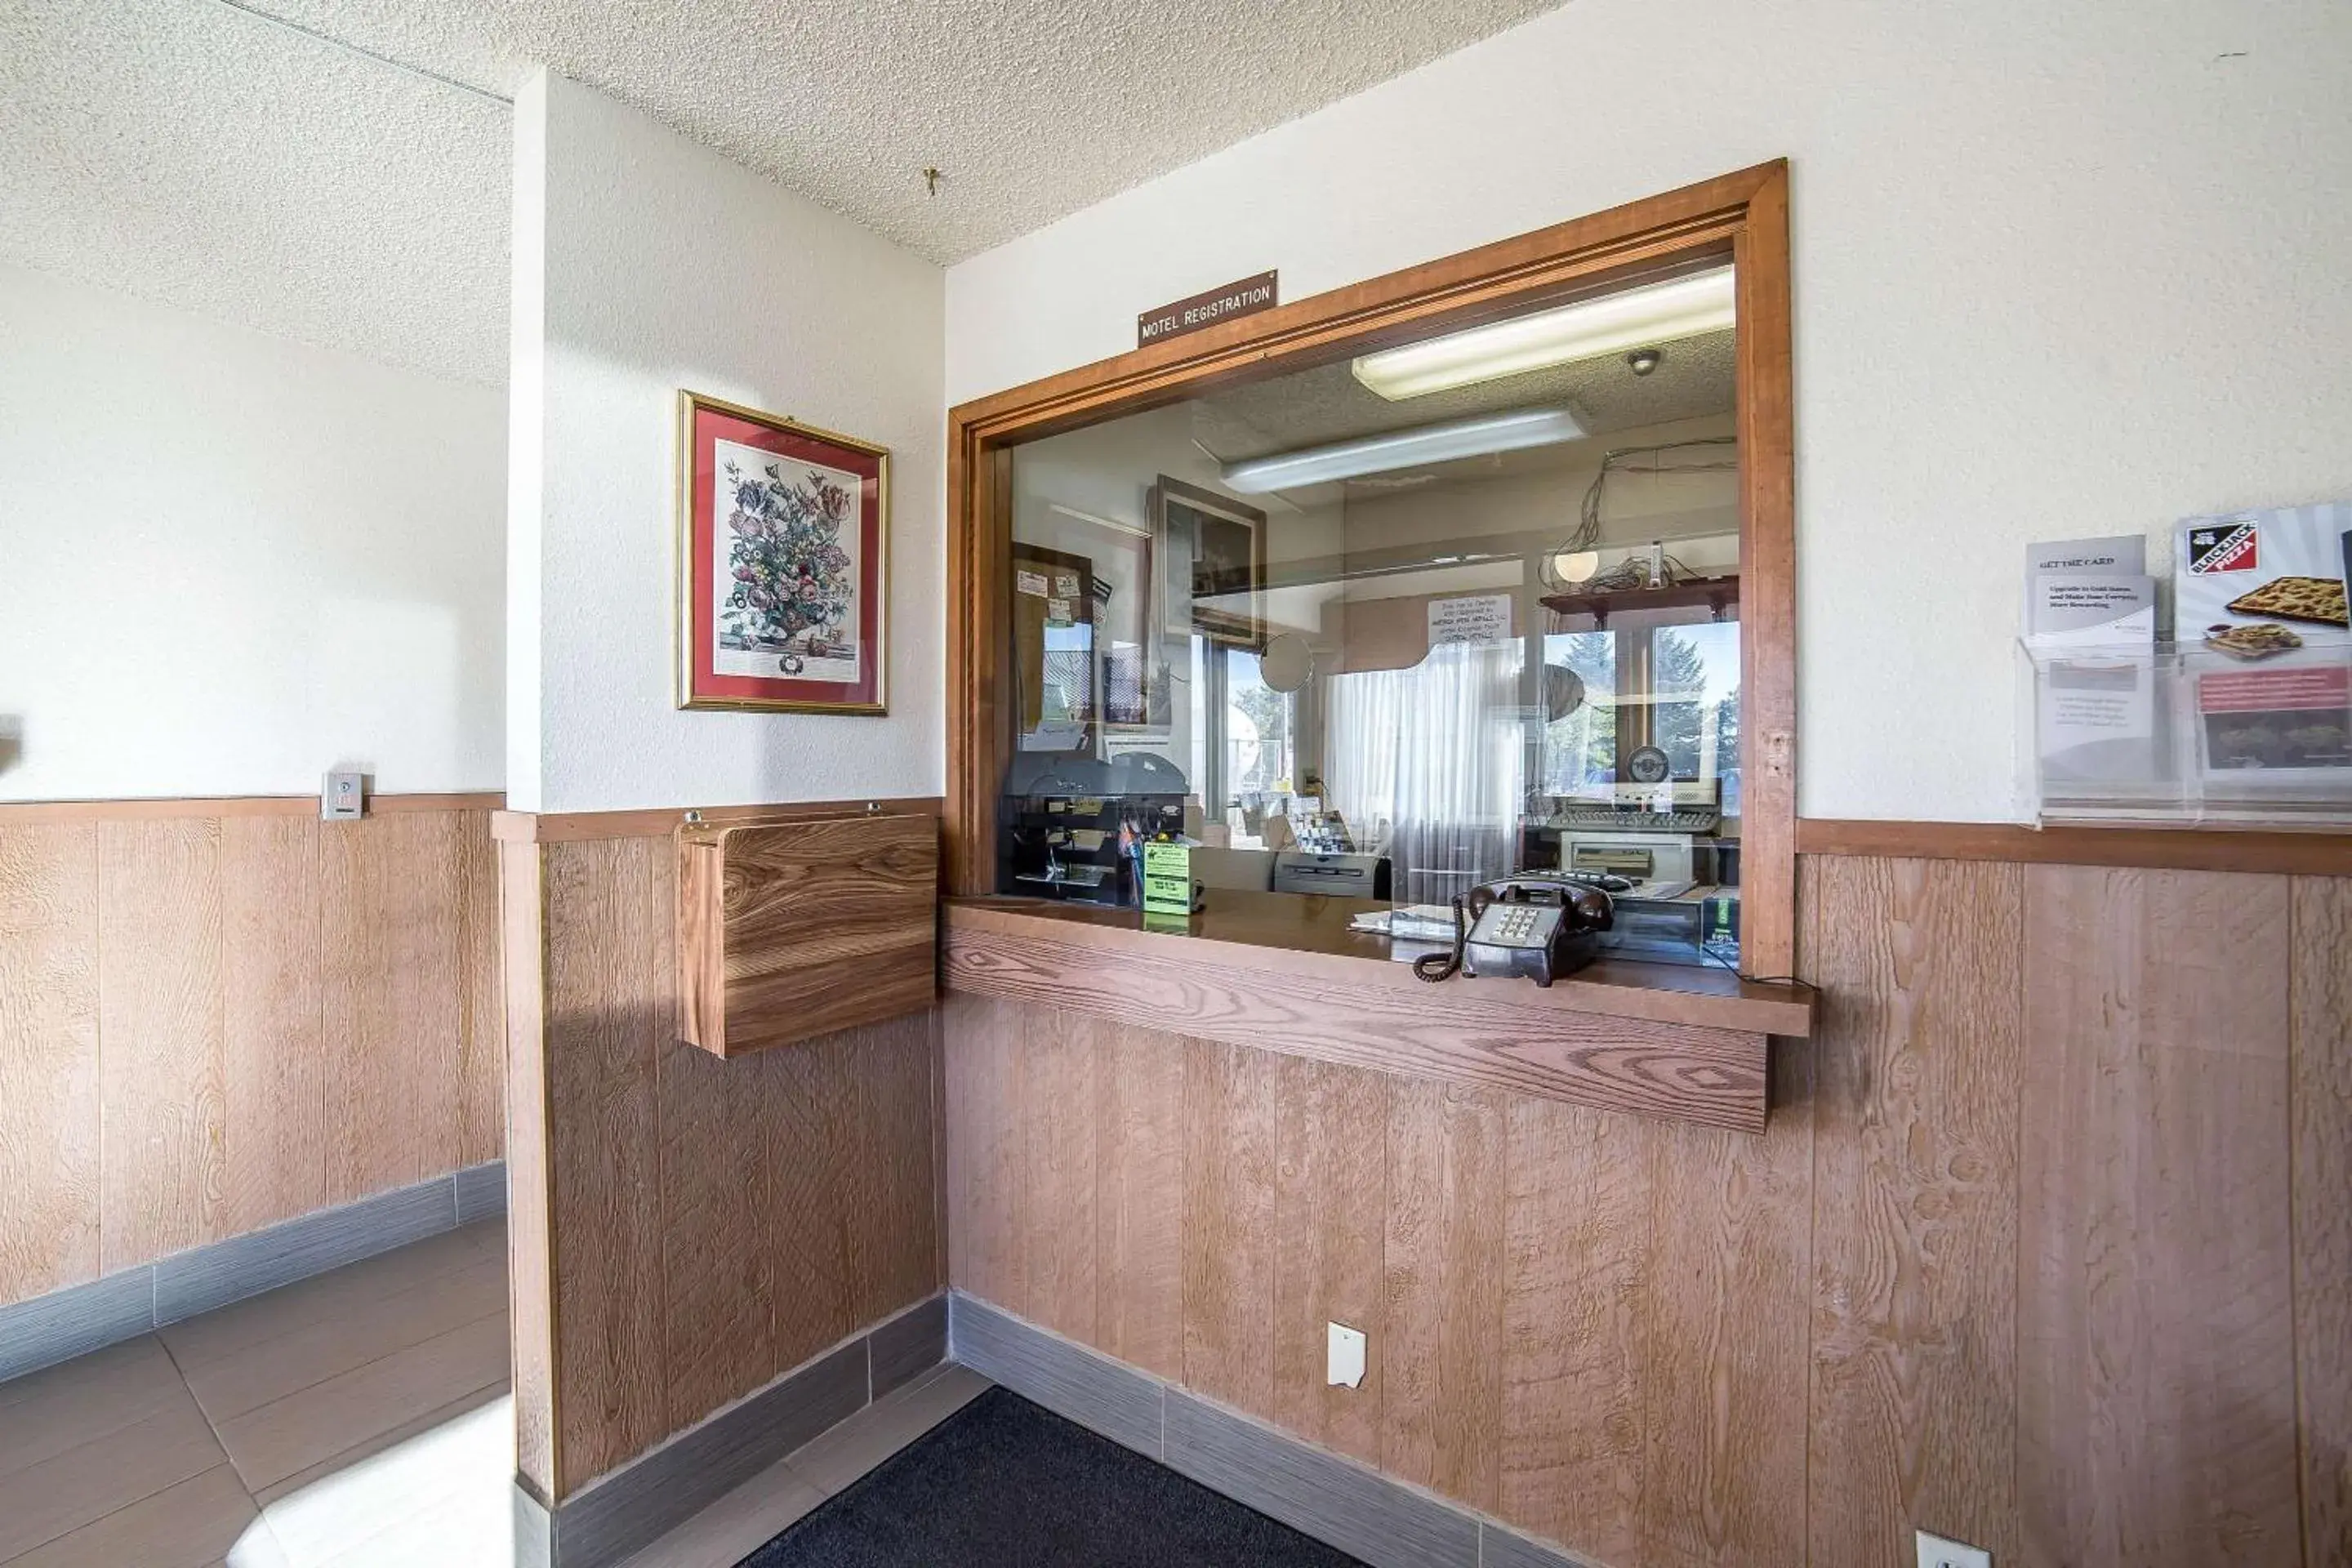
point(121, 1306)
point(621, 1512)
point(1336, 1500)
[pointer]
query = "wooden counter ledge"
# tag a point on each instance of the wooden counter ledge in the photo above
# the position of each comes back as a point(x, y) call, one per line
point(1286, 974)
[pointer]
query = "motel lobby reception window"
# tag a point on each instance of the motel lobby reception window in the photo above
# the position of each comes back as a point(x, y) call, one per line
point(1398, 627)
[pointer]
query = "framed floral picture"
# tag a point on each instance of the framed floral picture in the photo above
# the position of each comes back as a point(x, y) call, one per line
point(784, 562)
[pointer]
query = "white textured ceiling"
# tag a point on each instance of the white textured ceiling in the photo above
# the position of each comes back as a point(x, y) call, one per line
point(191, 151)
point(185, 153)
point(1032, 108)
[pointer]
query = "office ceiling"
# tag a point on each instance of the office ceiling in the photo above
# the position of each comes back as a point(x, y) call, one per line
point(1032, 108)
point(1328, 404)
point(198, 153)
point(180, 150)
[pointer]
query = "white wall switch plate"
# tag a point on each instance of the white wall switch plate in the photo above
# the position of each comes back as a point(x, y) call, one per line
point(1935, 1552)
point(1346, 1362)
point(344, 797)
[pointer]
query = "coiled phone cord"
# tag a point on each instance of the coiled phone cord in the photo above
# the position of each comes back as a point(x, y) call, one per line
point(1436, 966)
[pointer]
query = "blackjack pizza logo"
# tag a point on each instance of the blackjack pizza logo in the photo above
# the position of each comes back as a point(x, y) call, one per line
point(2223, 549)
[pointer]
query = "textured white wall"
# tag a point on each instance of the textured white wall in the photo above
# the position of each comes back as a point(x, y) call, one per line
point(666, 265)
point(228, 562)
point(2060, 271)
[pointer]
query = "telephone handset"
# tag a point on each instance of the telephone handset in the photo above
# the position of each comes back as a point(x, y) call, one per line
point(1542, 927)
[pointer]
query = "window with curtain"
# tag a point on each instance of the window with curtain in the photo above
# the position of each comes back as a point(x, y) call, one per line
point(1431, 761)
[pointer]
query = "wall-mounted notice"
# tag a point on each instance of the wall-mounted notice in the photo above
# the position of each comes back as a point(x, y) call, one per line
point(1242, 297)
point(1472, 617)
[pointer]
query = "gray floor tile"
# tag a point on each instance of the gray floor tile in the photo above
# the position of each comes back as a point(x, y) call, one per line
point(737, 1525)
point(1353, 1508)
point(844, 1455)
point(1500, 1548)
point(212, 1277)
point(292, 1309)
point(438, 1497)
point(191, 1524)
point(90, 1397)
point(83, 1485)
point(75, 1320)
point(481, 1191)
point(1074, 1384)
point(626, 1512)
point(228, 1386)
point(321, 1424)
point(910, 1345)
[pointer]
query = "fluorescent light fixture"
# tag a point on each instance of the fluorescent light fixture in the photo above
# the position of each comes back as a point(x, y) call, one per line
point(1403, 449)
point(1636, 318)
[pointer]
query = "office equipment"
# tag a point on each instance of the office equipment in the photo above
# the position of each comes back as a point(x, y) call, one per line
point(1339, 876)
point(1637, 856)
point(787, 930)
point(1687, 807)
point(1540, 927)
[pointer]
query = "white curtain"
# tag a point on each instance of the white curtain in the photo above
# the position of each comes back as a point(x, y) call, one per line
point(1436, 752)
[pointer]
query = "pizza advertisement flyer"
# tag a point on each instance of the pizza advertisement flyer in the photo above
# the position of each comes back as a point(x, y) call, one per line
point(2255, 585)
point(2298, 718)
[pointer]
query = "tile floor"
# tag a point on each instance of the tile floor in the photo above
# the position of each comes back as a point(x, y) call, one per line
point(360, 1419)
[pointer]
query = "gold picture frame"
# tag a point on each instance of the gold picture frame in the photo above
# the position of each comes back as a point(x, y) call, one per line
point(796, 593)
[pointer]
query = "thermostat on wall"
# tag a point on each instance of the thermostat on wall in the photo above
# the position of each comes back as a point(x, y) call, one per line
point(343, 798)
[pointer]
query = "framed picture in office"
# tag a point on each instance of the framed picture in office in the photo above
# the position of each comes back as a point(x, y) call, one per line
point(784, 569)
point(1225, 542)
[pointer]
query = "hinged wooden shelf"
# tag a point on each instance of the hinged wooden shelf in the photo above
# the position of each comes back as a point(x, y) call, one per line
point(787, 930)
point(1286, 975)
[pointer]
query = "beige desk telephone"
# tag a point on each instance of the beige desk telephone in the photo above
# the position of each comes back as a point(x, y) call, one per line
point(1540, 927)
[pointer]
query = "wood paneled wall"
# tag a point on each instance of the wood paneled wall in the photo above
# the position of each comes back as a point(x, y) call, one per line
point(685, 1227)
point(2048, 1247)
point(210, 1023)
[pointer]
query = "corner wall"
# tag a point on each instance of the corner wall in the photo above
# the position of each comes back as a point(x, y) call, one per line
point(647, 265)
point(686, 1229)
point(2058, 271)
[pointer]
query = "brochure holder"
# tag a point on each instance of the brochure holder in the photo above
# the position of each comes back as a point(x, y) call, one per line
point(2172, 734)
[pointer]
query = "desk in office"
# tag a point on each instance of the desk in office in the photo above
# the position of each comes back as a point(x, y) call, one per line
point(1286, 974)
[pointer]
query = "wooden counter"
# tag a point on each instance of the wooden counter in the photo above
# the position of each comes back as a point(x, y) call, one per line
point(1285, 974)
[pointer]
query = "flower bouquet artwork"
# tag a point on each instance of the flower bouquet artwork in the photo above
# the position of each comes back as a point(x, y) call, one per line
point(783, 548)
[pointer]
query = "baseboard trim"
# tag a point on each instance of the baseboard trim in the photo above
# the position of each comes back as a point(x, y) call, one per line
point(624, 1510)
point(124, 1305)
point(1338, 1501)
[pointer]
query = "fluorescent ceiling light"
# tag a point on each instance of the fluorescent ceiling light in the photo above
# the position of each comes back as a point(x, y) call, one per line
point(1403, 449)
point(1636, 318)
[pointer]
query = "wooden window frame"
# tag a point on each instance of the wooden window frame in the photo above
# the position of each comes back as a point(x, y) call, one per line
point(1743, 217)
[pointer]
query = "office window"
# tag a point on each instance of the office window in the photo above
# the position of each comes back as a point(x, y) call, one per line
point(1278, 621)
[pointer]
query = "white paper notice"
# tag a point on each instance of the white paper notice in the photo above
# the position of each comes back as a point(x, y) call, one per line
point(1473, 617)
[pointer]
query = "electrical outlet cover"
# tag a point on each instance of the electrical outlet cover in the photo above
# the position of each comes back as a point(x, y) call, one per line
point(1346, 1360)
point(1935, 1552)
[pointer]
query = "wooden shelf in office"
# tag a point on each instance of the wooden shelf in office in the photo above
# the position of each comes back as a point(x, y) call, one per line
point(787, 930)
point(1717, 593)
point(1285, 974)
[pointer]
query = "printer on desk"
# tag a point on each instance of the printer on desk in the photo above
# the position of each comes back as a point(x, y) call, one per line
point(1331, 875)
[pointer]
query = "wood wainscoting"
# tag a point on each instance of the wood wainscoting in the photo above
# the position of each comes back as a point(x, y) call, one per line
point(2047, 1247)
point(266, 1015)
point(684, 1228)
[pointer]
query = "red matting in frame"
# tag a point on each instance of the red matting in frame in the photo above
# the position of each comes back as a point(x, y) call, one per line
point(706, 425)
